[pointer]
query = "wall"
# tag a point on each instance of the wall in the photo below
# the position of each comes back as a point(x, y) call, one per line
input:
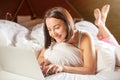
point(39, 7)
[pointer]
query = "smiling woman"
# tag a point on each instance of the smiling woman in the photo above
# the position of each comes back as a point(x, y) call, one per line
point(61, 16)
point(70, 50)
point(59, 30)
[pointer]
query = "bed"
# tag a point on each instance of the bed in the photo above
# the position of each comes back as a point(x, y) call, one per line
point(108, 58)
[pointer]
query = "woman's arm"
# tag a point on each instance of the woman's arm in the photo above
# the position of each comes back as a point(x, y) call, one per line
point(41, 56)
point(44, 63)
point(89, 57)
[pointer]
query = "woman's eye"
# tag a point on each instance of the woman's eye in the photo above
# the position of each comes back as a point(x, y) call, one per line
point(57, 27)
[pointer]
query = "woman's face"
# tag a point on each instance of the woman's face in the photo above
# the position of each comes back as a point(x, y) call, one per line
point(57, 29)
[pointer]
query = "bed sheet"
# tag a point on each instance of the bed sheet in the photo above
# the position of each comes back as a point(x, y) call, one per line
point(13, 34)
point(111, 75)
point(4, 75)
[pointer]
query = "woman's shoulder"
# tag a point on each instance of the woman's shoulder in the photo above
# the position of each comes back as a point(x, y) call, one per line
point(86, 38)
point(84, 34)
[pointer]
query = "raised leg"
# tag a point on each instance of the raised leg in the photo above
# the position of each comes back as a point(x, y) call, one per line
point(100, 20)
point(104, 12)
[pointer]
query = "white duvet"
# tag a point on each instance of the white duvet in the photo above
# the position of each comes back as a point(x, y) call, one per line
point(13, 34)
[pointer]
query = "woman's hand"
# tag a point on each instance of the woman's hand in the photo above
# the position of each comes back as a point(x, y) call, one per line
point(52, 69)
point(55, 68)
point(44, 64)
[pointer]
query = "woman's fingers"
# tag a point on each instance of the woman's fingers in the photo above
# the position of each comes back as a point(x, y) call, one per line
point(49, 69)
point(44, 63)
point(59, 69)
point(52, 69)
point(55, 69)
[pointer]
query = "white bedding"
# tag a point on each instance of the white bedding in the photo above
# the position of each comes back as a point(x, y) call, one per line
point(4, 75)
point(13, 34)
point(99, 76)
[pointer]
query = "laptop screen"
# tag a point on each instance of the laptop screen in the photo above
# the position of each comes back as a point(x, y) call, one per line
point(21, 61)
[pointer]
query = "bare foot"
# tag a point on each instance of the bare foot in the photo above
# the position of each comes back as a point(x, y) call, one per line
point(100, 19)
point(103, 32)
point(101, 16)
point(104, 12)
point(97, 15)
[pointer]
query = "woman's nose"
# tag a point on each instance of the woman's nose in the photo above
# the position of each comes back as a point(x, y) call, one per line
point(53, 33)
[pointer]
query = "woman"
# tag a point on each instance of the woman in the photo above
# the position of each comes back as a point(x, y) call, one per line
point(59, 29)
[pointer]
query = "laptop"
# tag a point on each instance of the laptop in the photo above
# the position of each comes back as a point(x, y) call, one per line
point(19, 63)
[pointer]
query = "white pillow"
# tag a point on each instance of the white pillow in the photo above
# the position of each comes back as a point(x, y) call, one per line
point(4, 40)
point(105, 57)
point(87, 27)
point(117, 55)
point(23, 40)
point(38, 34)
point(14, 34)
point(8, 32)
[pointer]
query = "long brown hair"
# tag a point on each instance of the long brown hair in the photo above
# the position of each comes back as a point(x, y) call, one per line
point(58, 13)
